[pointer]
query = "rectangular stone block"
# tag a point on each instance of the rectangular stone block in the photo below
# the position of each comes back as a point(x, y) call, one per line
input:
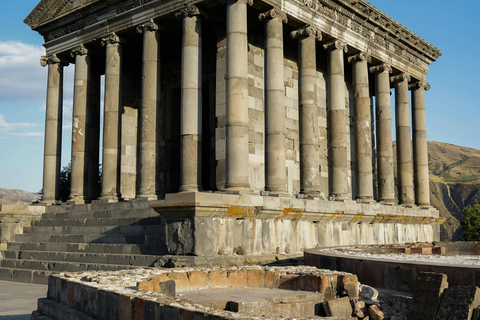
point(288, 282)
point(139, 309)
point(256, 278)
point(257, 308)
point(272, 279)
point(422, 250)
point(328, 285)
point(458, 303)
point(237, 278)
point(340, 308)
point(125, 307)
point(218, 279)
point(182, 283)
point(427, 293)
point(348, 285)
point(198, 279)
point(438, 250)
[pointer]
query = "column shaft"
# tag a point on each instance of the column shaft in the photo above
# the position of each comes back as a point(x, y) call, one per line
point(78, 191)
point(111, 121)
point(420, 152)
point(337, 123)
point(308, 110)
point(237, 153)
point(386, 182)
point(147, 177)
point(93, 137)
point(191, 102)
point(275, 171)
point(404, 141)
point(362, 127)
point(53, 129)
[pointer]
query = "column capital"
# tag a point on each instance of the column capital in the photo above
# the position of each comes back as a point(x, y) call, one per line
point(337, 44)
point(149, 26)
point(110, 39)
point(190, 11)
point(273, 14)
point(306, 31)
point(362, 56)
point(419, 85)
point(79, 50)
point(400, 78)
point(52, 59)
point(249, 2)
point(381, 68)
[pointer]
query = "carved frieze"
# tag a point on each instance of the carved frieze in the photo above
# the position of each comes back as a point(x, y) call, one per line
point(273, 14)
point(306, 31)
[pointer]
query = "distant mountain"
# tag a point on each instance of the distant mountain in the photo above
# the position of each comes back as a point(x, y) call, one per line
point(454, 183)
point(15, 196)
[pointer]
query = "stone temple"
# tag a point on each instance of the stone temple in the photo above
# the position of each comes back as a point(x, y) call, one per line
point(247, 127)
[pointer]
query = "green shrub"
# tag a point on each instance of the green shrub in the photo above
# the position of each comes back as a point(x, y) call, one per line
point(471, 223)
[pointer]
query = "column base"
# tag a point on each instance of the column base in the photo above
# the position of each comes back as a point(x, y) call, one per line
point(50, 202)
point(388, 202)
point(110, 199)
point(365, 200)
point(146, 197)
point(190, 188)
point(339, 197)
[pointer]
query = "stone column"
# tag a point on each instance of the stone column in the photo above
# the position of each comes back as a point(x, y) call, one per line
point(404, 142)
point(111, 121)
point(308, 110)
point(385, 176)
point(191, 101)
point(53, 129)
point(78, 191)
point(275, 169)
point(337, 121)
point(362, 127)
point(147, 175)
point(237, 152)
point(420, 152)
point(93, 137)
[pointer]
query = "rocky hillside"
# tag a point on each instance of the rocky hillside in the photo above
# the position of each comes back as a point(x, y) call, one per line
point(454, 183)
point(14, 196)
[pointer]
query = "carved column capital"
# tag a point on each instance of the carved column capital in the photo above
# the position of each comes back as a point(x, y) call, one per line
point(190, 11)
point(362, 56)
point(419, 85)
point(401, 77)
point(52, 59)
point(381, 68)
point(149, 26)
point(307, 31)
point(79, 50)
point(273, 14)
point(337, 44)
point(110, 39)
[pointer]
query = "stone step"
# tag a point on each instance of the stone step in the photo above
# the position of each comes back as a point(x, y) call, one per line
point(57, 311)
point(88, 247)
point(60, 266)
point(139, 213)
point(122, 229)
point(25, 275)
point(99, 206)
point(91, 238)
point(102, 258)
point(99, 221)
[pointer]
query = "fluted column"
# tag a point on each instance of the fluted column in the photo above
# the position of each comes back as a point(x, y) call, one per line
point(404, 141)
point(78, 191)
point(53, 129)
point(337, 124)
point(385, 176)
point(420, 152)
point(308, 110)
point(362, 127)
point(191, 101)
point(147, 175)
point(237, 153)
point(111, 119)
point(275, 172)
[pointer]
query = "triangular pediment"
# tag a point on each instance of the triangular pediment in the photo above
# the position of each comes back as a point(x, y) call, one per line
point(47, 10)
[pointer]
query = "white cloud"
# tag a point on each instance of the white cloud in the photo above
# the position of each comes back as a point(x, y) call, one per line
point(18, 129)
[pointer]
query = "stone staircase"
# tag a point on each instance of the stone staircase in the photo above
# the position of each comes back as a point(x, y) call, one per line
point(97, 236)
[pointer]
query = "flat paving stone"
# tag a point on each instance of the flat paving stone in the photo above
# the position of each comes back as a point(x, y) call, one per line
point(19, 300)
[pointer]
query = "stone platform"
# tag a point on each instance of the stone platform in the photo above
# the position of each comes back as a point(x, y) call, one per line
point(201, 229)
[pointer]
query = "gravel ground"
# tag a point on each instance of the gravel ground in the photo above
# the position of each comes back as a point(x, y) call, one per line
point(463, 260)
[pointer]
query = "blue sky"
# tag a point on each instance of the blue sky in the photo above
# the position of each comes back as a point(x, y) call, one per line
point(452, 104)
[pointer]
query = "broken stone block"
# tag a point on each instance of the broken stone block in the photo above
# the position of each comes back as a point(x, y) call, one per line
point(476, 314)
point(438, 250)
point(256, 308)
point(458, 303)
point(360, 310)
point(427, 294)
point(348, 285)
point(340, 307)
point(368, 293)
point(328, 285)
point(375, 313)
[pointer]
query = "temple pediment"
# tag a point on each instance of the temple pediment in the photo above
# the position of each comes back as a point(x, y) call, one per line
point(47, 10)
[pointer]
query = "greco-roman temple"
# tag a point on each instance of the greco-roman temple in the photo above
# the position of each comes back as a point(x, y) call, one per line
point(249, 128)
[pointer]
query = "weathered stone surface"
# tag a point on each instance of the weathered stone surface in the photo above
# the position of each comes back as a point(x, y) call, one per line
point(360, 310)
point(369, 293)
point(458, 303)
point(340, 307)
point(427, 295)
point(375, 313)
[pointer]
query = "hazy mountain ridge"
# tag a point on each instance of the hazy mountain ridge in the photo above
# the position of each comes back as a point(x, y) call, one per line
point(16, 196)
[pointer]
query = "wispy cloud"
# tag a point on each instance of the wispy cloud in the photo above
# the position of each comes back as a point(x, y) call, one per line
point(18, 129)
